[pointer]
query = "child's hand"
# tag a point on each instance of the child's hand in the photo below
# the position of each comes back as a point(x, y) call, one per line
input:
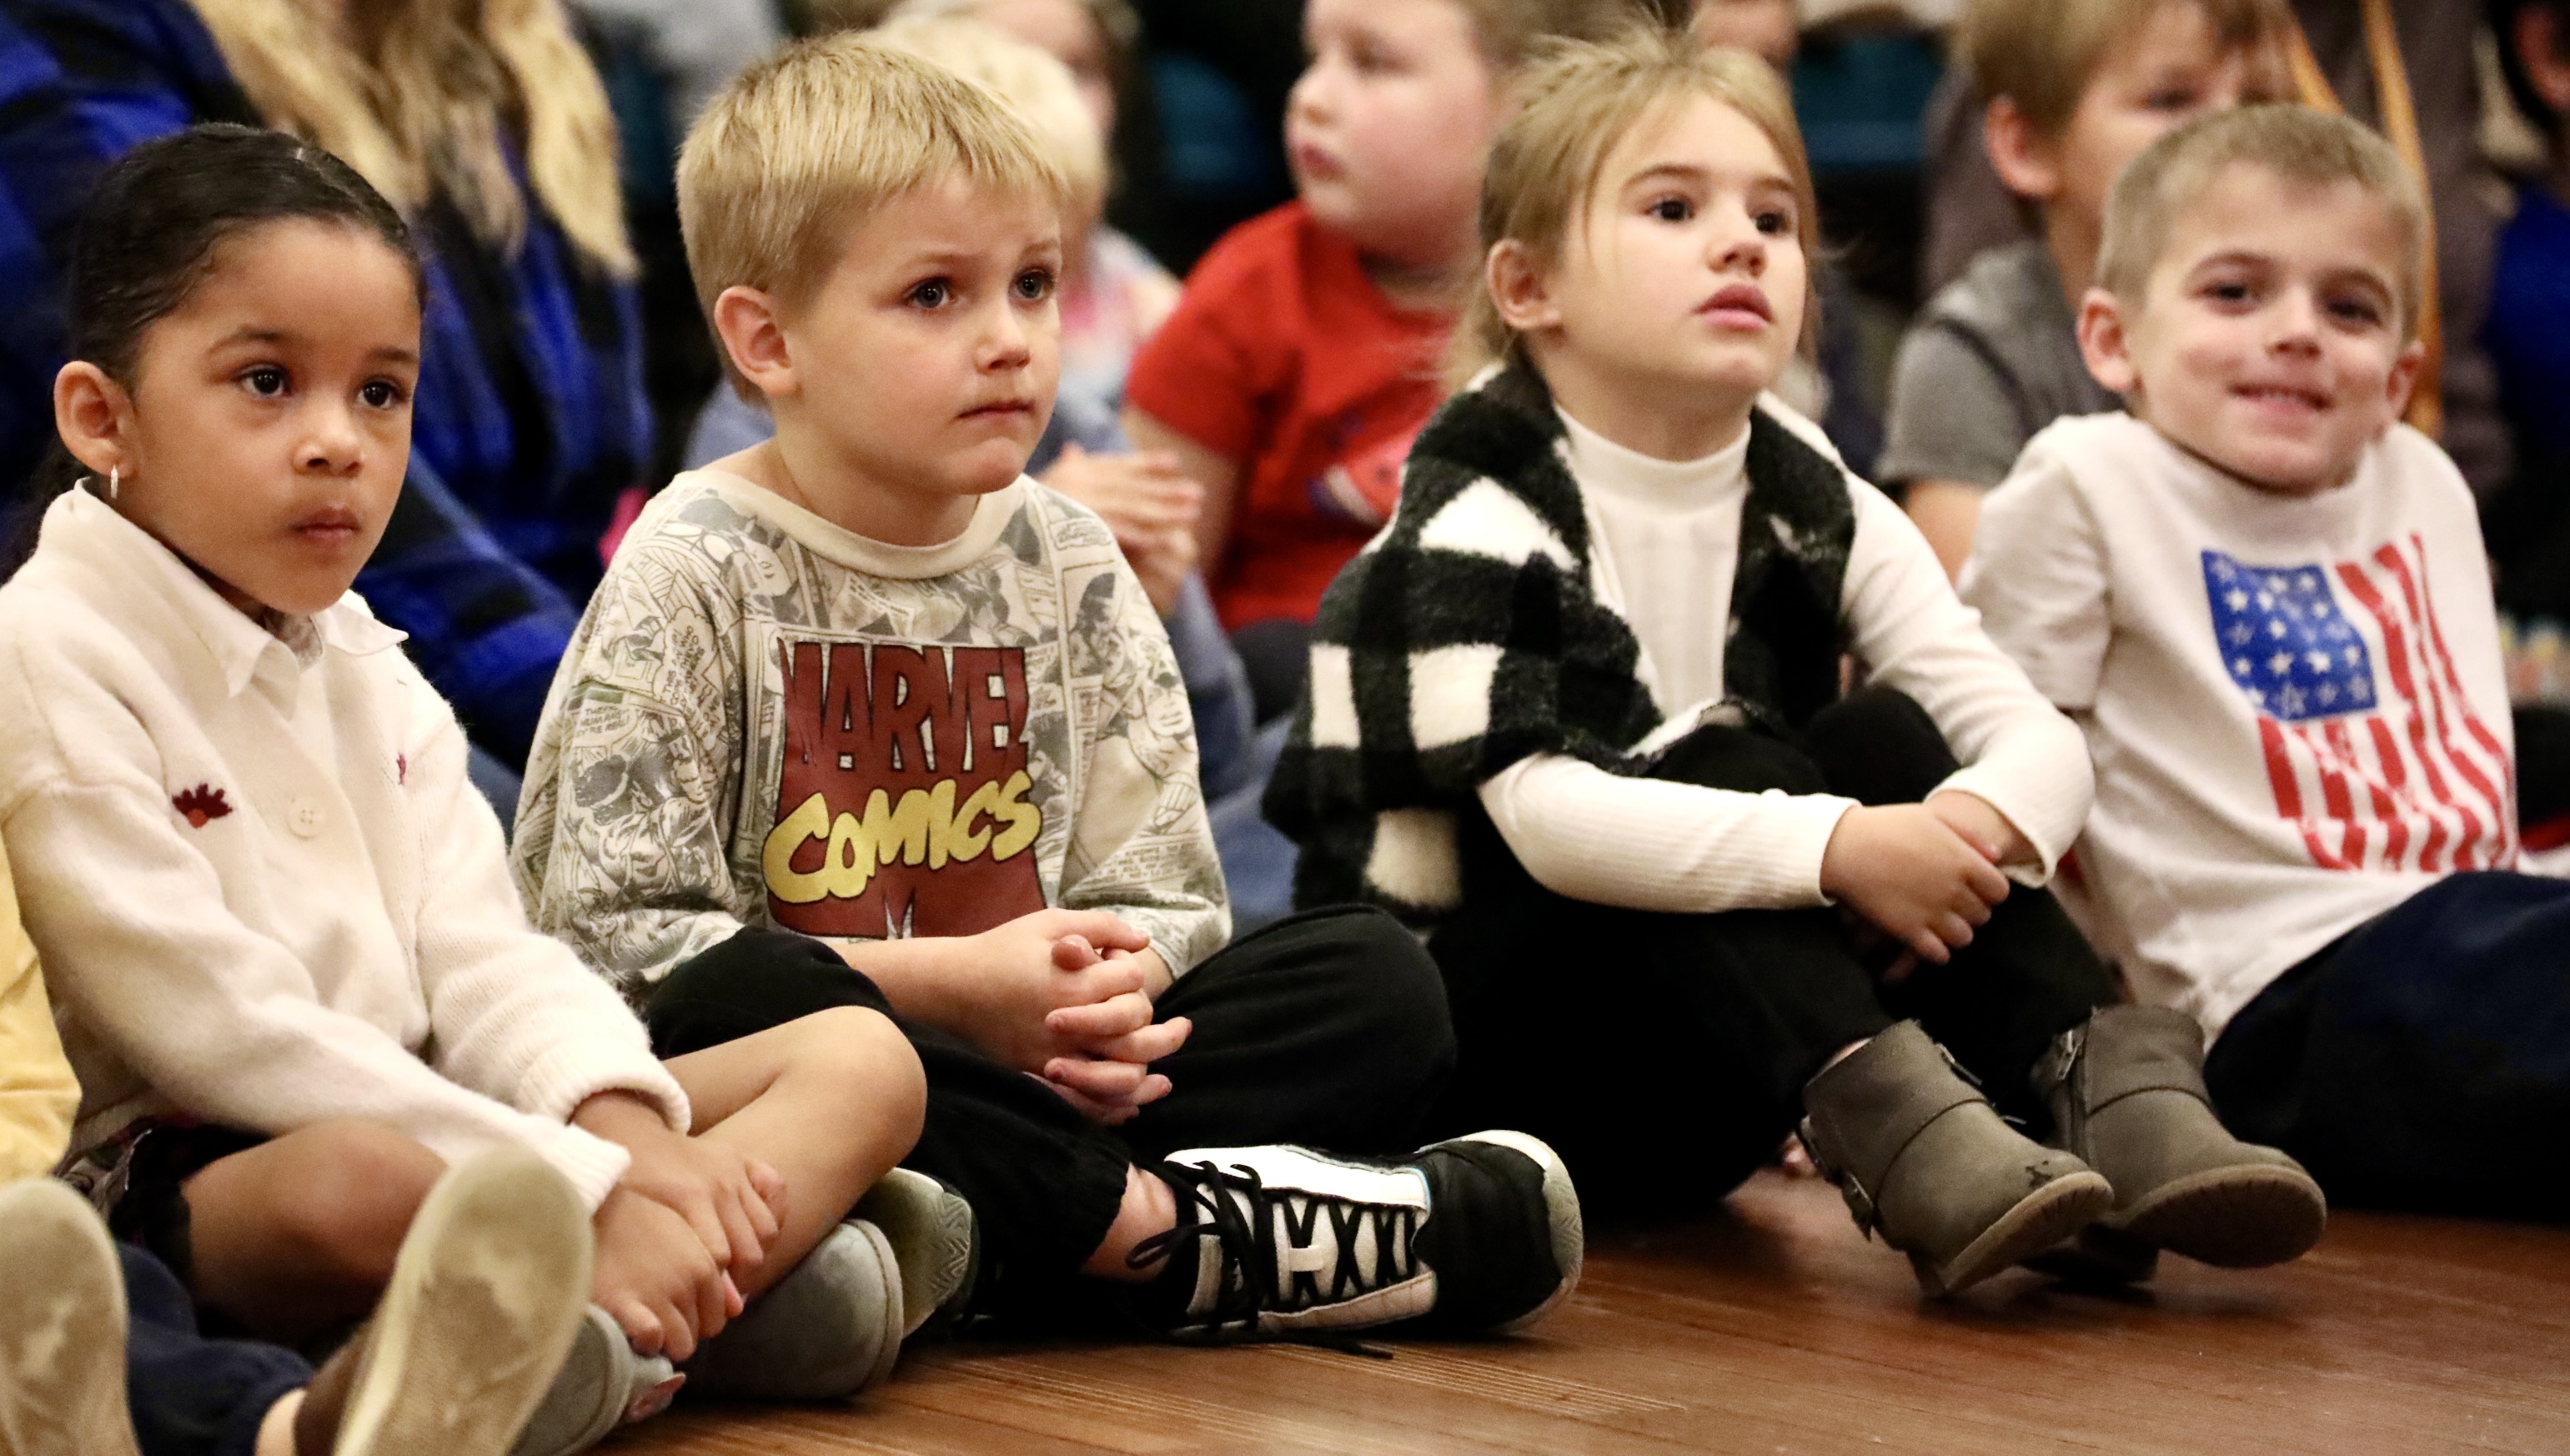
point(1150, 505)
point(1983, 826)
point(1139, 495)
point(1015, 976)
point(734, 1202)
point(655, 1277)
point(1902, 868)
point(1108, 1075)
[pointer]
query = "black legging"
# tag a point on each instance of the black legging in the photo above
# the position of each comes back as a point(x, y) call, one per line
point(1664, 1054)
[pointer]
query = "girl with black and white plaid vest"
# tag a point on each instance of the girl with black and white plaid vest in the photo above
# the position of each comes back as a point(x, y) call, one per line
point(1581, 715)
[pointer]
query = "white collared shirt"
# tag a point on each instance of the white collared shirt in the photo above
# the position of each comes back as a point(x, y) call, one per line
point(264, 891)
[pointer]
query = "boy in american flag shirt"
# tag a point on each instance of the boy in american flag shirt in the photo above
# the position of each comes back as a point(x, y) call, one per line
point(2267, 603)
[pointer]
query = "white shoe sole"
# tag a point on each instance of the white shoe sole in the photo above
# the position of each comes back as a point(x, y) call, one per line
point(1562, 1209)
point(488, 1290)
point(62, 1327)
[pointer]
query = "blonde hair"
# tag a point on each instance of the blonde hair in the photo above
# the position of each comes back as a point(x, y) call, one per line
point(2042, 54)
point(1026, 77)
point(416, 101)
point(1513, 32)
point(1577, 103)
point(2298, 146)
point(801, 146)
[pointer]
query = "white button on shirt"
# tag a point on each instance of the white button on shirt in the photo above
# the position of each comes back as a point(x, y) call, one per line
point(262, 887)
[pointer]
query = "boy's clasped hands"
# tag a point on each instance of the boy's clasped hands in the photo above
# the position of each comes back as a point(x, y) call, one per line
point(1065, 996)
point(1925, 875)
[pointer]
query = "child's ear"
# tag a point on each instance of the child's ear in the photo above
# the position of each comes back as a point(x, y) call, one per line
point(2405, 375)
point(2023, 156)
point(94, 415)
point(2104, 343)
point(746, 321)
point(1520, 288)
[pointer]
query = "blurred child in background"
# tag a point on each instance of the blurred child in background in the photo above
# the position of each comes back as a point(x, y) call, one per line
point(2072, 90)
point(2529, 323)
point(1301, 361)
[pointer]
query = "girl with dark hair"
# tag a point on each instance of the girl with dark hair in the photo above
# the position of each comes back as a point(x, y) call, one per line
point(291, 972)
point(483, 123)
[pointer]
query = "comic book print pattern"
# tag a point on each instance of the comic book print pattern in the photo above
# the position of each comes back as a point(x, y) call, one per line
point(748, 732)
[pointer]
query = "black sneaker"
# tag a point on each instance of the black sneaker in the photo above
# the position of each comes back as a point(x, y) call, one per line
point(1479, 1235)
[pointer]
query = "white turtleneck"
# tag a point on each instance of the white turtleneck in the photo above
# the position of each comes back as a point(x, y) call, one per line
point(1666, 545)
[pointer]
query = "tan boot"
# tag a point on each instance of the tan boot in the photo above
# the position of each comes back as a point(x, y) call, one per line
point(2128, 1097)
point(1924, 1161)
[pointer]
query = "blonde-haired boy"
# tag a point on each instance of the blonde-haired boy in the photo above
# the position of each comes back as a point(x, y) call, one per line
point(862, 717)
point(2268, 604)
point(2071, 90)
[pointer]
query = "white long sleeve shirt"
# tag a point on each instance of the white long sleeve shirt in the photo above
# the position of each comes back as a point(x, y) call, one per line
point(2295, 704)
point(265, 892)
point(1666, 538)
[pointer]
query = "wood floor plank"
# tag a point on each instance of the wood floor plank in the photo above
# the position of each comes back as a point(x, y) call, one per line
point(1774, 1327)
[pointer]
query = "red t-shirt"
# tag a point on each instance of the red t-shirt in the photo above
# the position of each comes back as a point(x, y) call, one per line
point(1284, 356)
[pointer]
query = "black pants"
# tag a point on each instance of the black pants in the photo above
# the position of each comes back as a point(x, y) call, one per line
point(1664, 1054)
point(2422, 1062)
point(1327, 1029)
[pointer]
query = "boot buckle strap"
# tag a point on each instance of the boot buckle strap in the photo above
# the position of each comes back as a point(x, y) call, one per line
point(1957, 1068)
point(1860, 1203)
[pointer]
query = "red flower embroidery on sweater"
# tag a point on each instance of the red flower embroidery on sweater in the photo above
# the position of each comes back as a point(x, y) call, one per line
point(401, 767)
point(201, 805)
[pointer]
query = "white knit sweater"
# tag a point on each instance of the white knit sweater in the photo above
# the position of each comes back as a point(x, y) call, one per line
point(265, 892)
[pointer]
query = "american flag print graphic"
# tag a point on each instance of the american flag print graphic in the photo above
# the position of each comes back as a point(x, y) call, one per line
point(2372, 746)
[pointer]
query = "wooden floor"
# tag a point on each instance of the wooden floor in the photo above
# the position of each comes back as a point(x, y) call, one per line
point(1775, 1328)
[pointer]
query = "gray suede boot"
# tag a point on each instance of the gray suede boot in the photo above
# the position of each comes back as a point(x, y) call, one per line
point(2128, 1097)
point(1926, 1162)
